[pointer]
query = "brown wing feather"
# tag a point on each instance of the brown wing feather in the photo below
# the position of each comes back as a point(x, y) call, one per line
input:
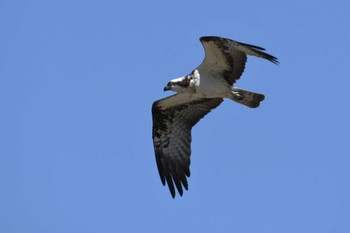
point(172, 126)
point(229, 57)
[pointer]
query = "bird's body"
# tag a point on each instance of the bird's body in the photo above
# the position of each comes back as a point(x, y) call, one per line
point(197, 94)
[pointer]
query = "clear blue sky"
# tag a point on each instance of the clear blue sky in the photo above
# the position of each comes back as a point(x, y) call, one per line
point(77, 81)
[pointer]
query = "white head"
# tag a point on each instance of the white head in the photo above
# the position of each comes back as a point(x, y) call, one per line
point(184, 84)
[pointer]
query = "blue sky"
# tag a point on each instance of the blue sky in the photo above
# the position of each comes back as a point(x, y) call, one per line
point(77, 81)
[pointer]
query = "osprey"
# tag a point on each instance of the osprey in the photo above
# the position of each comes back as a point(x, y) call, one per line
point(197, 94)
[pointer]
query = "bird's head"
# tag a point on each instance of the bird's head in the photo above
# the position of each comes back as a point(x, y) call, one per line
point(182, 84)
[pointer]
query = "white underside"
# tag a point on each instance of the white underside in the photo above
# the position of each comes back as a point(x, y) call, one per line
point(202, 86)
point(211, 87)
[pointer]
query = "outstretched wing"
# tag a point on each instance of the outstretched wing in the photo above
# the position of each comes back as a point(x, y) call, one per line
point(228, 57)
point(173, 119)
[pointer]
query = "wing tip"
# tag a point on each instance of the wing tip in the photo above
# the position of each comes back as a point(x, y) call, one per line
point(260, 50)
point(272, 59)
point(172, 194)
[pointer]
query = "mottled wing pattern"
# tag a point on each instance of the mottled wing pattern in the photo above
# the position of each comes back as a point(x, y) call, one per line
point(228, 57)
point(172, 126)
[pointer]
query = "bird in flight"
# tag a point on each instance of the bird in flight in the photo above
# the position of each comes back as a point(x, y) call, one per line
point(196, 95)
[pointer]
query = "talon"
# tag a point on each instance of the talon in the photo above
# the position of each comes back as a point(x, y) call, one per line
point(237, 95)
point(240, 97)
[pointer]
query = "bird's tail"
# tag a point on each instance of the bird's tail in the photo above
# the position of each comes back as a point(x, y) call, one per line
point(247, 98)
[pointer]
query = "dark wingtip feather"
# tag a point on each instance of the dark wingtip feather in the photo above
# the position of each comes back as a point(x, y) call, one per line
point(260, 50)
point(177, 181)
point(170, 185)
point(272, 59)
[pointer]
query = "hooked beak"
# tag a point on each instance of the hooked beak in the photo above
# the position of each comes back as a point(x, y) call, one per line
point(167, 88)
